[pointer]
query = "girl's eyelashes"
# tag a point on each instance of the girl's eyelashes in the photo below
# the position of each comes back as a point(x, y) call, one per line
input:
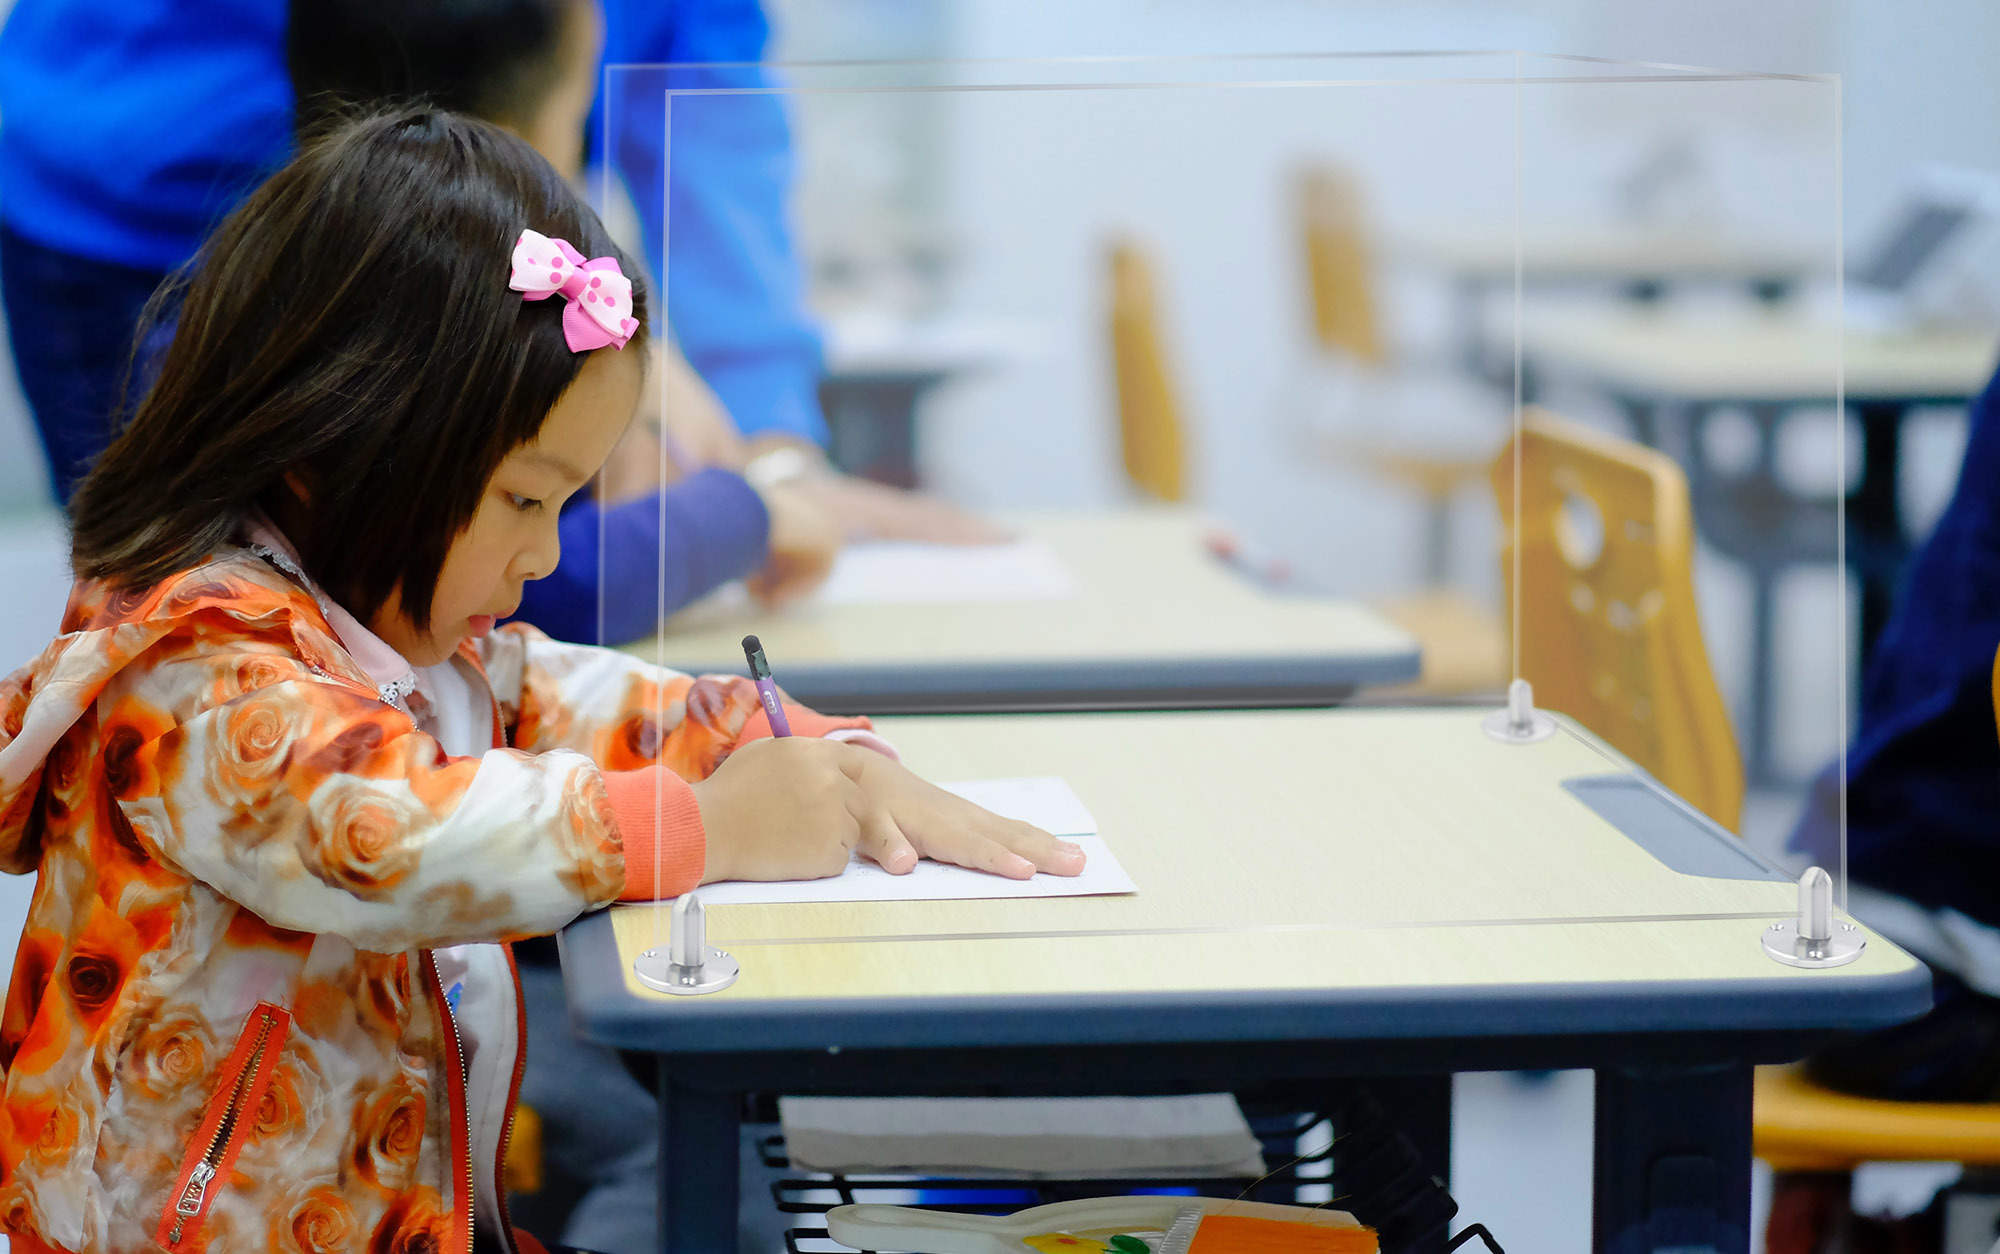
point(526, 505)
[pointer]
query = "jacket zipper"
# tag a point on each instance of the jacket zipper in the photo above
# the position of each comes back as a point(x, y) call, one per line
point(462, 1125)
point(503, 739)
point(247, 1074)
point(513, 1100)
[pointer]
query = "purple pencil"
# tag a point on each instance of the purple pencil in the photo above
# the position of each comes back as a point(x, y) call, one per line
point(767, 690)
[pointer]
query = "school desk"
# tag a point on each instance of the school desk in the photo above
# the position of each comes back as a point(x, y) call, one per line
point(1639, 262)
point(1671, 374)
point(1157, 621)
point(1635, 257)
point(1323, 894)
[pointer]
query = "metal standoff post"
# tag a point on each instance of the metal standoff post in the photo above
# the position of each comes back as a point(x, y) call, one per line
point(1815, 938)
point(690, 965)
point(1520, 723)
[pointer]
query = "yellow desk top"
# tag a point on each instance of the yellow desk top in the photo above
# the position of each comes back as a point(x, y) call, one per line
point(1326, 850)
point(1762, 358)
point(1154, 611)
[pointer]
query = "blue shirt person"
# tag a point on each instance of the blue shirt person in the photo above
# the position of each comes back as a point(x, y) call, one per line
point(1923, 794)
point(131, 128)
point(1923, 801)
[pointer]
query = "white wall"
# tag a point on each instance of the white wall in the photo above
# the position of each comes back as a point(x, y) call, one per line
point(1923, 85)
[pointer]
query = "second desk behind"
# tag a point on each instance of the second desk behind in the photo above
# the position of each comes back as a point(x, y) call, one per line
point(1156, 622)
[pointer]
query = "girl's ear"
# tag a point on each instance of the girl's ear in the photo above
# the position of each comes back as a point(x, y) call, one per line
point(295, 483)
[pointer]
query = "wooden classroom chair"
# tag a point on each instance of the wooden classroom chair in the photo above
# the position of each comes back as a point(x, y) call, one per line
point(1608, 630)
point(1464, 646)
point(1610, 635)
point(1463, 649)
point(1152, 437)
point(1337, 266)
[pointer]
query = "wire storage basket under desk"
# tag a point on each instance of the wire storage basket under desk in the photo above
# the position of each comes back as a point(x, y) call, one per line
point(1348, 1155)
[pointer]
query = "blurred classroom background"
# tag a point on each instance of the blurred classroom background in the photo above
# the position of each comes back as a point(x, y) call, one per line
point(1324, 276)
point(959, 247)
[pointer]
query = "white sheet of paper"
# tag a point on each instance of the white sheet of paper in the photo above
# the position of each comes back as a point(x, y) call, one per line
point(902, 573)
point(1045, 801)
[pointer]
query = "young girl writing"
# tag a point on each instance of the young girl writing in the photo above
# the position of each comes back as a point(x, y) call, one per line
point(285, 783)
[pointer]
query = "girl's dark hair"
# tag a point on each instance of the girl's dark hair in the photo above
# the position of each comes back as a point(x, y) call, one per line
point(494, 59)
point(350, 327)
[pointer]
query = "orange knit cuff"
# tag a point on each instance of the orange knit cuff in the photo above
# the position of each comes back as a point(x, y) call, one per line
point(659, 823)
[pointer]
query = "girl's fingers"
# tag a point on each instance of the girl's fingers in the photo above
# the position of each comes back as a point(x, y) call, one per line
point(967, 835)
point(830, 857)
point(1056, 857)
point(1045, 852)
point(935, 824)
point(974, 845)
point(881, 840)
point(988, 854)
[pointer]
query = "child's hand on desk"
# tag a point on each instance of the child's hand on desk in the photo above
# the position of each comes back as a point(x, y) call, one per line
point(872, 511)
point(804, 541)
point(792, 808)
point(945, 827)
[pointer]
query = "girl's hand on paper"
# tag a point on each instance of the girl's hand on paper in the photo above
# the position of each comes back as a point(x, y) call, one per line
point(793, 808)
point(783, 809)
point(945, 827)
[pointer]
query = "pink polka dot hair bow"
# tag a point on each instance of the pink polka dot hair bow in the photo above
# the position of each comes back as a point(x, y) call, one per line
point(599, 294)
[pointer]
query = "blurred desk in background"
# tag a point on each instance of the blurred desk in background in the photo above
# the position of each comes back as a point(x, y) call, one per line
point(1154, 621)
point(1672, 374)
point(1642, 262)
point(880, 368)
point(1637, 262)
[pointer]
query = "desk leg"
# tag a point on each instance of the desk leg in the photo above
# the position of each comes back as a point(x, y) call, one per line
point(1420, 1106)
point(1673, 1161)
point(698, 1166)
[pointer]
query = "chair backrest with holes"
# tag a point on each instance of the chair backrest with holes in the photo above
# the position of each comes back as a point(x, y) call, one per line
point(1149, 418)
point(1336, 240)
point(1609, 632)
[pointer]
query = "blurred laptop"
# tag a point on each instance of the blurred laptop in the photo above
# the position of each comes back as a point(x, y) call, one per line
point(1926, 243)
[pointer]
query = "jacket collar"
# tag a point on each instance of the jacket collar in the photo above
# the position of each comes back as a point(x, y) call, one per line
point(390, 671)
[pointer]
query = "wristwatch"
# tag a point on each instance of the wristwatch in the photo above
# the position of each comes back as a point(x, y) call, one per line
point(779, 465)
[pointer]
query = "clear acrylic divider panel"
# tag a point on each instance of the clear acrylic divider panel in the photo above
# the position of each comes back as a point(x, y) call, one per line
point(1685, 594)
point(1226, 343)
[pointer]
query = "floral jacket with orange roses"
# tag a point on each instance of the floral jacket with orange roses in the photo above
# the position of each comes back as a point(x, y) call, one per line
point(226, 1028)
